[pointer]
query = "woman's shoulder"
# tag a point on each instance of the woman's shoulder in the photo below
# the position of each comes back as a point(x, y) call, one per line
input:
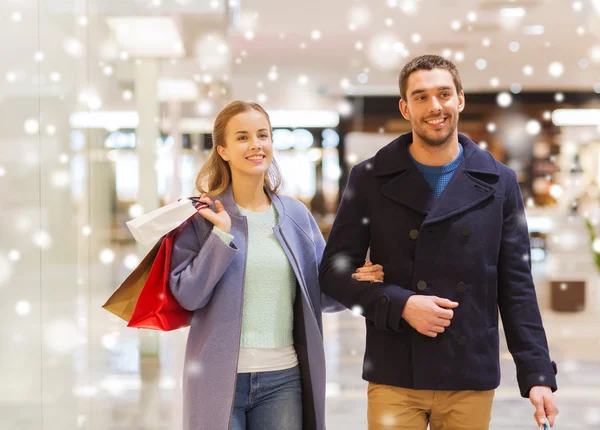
point(293, 208)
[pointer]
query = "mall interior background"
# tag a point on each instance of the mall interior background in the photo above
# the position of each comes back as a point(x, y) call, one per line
point(106, 109)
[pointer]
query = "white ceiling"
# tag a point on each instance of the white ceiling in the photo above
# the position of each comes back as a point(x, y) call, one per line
point(279, 29)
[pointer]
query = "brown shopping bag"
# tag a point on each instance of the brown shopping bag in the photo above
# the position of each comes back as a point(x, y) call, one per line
point(122, 302)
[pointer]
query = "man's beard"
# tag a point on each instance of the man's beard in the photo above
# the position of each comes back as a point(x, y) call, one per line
point(440, 141)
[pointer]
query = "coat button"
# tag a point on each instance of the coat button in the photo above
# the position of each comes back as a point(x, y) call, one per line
point(466, 231)
point(463, 340)
point(383, 300)
point(421, 285)
point(414, 234)
point(461, 287)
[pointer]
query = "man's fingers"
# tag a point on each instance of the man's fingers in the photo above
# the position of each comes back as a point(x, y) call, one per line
point(444, 303)
point(551, 413)
point(540, 413)
point(442, 322)
point(437, 329)
point(447, 314)
point(540, 420)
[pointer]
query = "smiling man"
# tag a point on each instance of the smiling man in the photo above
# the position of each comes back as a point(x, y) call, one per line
point(447, 222)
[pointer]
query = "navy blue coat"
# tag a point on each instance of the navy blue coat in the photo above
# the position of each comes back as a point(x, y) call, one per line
point(470, 245)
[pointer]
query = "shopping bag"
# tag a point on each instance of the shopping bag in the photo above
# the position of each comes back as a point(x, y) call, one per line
point(123, 300)
point(156, 307)
point(148, 228)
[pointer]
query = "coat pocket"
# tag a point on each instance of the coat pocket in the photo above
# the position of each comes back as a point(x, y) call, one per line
point(491, 290)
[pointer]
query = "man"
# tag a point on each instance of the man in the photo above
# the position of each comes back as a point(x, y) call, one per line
point(446, 220)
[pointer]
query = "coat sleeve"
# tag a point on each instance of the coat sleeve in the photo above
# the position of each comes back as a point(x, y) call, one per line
point(199, 260)
point(517, 299)
point(327, 303)
point(346, 250)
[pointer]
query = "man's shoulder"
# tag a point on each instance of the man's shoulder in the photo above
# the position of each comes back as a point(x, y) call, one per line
point(503, 170)
point(364, 167)
point(388, 159)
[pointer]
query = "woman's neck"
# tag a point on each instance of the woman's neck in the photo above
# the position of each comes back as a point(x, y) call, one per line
point(249, 193)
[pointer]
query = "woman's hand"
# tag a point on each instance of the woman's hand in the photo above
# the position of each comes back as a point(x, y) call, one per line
point(220, 218)
point(369, 272)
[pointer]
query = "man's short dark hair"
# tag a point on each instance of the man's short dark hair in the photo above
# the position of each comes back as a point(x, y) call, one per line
point(427, 62)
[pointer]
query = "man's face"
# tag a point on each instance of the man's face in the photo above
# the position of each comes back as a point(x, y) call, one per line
point(432, 105)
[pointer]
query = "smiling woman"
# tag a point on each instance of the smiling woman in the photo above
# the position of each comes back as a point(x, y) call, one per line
point(247, 268)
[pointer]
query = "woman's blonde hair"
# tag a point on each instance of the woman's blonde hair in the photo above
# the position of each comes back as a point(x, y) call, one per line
point(215, 175)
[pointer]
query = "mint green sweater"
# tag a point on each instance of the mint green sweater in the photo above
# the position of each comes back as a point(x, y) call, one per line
point(269, 286)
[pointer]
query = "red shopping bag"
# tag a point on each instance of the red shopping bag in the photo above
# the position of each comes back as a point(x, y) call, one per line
point(156, 308)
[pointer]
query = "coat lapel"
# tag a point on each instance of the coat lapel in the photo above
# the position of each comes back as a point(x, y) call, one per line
point(410, 189)
point(465, 190)
point(462, 193)
point(406, 185)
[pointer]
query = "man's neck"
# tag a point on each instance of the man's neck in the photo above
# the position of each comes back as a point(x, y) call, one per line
point(434, 155)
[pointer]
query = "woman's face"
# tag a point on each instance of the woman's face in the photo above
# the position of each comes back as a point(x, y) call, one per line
point(248, 146)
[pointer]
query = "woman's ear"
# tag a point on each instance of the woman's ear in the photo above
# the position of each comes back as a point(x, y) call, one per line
point(223, 152)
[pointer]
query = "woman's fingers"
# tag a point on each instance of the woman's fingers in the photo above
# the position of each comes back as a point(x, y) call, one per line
point(367, 278)
point(370, 269)
point(209, 214)
point(219, 206)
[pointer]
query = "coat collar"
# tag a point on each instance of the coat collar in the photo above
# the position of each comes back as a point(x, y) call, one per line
point(394, 158)
point(409, 188)
point(230, 205)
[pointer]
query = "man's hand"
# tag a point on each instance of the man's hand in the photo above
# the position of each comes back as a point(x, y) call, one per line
point(543, 400)
point(429, 315)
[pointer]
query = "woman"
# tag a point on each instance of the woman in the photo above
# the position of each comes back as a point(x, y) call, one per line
point(254, 357)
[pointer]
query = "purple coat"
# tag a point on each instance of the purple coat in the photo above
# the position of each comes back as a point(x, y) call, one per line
point(207, 277)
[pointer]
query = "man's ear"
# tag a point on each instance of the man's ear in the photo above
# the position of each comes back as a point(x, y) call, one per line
point(461, 101)
point(403, 107)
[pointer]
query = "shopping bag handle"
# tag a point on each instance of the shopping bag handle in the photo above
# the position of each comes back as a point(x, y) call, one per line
point(195, 200)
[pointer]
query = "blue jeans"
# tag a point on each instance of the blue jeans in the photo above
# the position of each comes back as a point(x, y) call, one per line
point(268, 401)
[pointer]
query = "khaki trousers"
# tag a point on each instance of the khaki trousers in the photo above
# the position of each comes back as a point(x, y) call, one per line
point(394, 408)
